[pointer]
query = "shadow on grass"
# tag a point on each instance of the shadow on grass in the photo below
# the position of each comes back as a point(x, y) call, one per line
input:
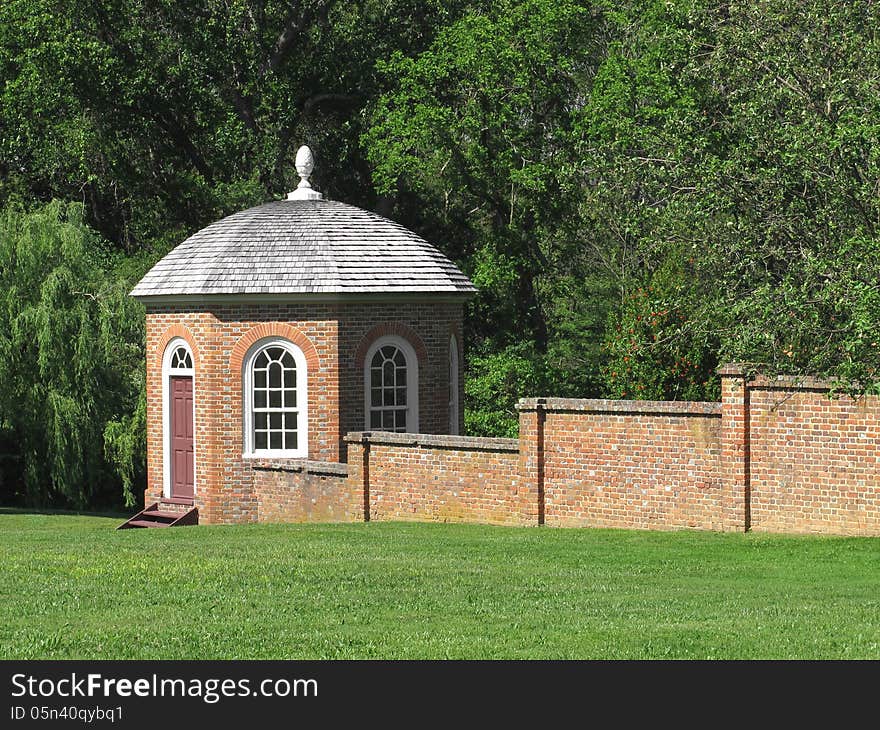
point(116, 514)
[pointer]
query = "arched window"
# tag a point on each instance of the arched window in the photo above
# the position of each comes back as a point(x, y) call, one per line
point(453, 386)
point(275, 400)
point(181, 360)
point(391, 377)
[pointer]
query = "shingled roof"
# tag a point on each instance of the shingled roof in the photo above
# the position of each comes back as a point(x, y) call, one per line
point(299, 247)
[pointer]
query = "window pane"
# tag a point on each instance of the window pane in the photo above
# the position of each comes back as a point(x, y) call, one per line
point(274, 375)
point(376, 377)
point(388, 352)
point(275, 421)
point(401, 396)
point(259, 399)
point(275, 441)
point(290, 421)
point(187, 360)
point(274, 353)
point(290, 440)
point(261, 360)
point(401, 376)
point(290, 399)
point(260, 440)
point(388, 397)
point(259, 378)
point(376, 397)
point(275, 399)
point(376, 362)
point(388, 374)
point(399, 359)
point(375, 419)
point(289, 378)
point(400, 421)
point(388, 420)
point(287, 360)
point(260, 420)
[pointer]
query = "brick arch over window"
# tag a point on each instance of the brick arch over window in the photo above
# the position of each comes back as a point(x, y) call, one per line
point(284, 331)
point(391, 328)
point(175, 330)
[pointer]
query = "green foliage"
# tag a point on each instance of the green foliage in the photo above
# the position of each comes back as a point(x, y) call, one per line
point(477, 126)
point(641, 190)
point(657, 346)
point(493, 384)
point(495, 381)
point(163, 116)
point(70, 339)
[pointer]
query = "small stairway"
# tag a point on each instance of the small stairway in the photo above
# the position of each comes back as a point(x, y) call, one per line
point(169, 512)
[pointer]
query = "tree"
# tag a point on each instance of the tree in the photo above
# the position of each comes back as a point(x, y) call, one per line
point(71, 361)
point(163, 116)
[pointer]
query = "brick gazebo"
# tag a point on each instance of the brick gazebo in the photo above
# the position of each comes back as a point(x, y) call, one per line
point(274, 332)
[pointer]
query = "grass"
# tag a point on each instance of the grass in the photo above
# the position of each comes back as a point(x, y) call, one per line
point(71, 587)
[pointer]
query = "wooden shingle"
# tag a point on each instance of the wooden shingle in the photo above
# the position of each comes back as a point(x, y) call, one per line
point(303, 246)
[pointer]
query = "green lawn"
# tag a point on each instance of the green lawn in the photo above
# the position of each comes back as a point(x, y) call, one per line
point(72, 587)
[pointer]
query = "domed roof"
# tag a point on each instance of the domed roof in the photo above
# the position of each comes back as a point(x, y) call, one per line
point(303, 246)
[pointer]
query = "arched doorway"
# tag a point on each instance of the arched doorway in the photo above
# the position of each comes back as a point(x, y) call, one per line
point(179, 420)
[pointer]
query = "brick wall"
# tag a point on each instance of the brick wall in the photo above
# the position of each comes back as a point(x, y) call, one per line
point(440, 478)
point(813, 463)
point(774, 455)
point(305, 491)
point(639, 464)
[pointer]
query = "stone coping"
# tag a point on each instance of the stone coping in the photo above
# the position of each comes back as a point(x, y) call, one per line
point(793, 382)
point(432, 440)
point(758, 380)
point(307, 466)
point(607, 405)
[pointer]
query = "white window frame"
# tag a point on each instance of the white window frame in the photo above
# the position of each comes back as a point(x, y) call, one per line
point(167, 372)
point(412, 380)
point(302, 400)
point(454, 405)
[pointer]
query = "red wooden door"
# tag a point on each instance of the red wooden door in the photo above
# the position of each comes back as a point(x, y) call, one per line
point(182, 463)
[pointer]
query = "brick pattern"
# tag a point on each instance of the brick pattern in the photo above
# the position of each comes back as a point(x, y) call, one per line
point(329, 335)
point(814, 460)
point(307, 491)
point(775, 455)
point(442, 478)
point(735, 449)
point(427, 327)
point(626, 463)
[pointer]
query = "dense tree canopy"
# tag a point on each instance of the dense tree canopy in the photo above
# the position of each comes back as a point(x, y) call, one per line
point(641, 190)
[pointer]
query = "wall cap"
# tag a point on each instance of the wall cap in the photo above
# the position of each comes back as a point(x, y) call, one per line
point(473, 443)
point(307, 466)
point(735, 370)
point(794, 382)
point(600, 405)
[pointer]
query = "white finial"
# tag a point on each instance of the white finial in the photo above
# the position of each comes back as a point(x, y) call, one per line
point(305, 163)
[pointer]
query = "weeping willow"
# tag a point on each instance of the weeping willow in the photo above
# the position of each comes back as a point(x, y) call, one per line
point(71, 372)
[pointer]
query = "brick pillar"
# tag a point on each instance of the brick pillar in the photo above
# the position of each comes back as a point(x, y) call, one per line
point(530, 490)
point(735, 448)
point(359, 471)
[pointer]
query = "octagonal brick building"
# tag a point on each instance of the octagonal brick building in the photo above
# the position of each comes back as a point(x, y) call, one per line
point(274, 332)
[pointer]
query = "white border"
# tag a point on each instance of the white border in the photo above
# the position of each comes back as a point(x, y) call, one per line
point(454, 400)
point(167, 372)
point(412, 380)
point(302, 397)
